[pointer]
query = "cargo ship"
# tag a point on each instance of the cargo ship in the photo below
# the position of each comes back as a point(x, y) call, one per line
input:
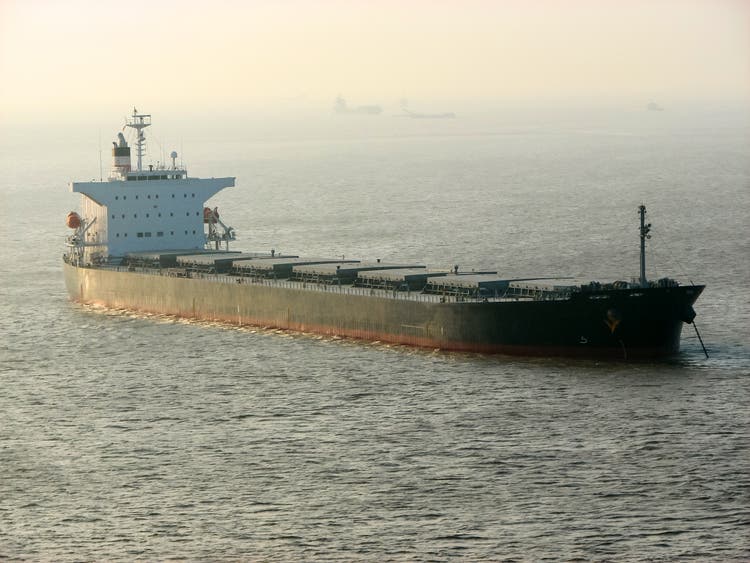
point(340, 107)
point(146, 240)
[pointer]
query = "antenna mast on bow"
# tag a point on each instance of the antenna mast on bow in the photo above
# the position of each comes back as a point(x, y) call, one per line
point(645, 228)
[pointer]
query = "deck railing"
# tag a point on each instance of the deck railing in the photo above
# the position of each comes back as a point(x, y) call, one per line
point(332, 288)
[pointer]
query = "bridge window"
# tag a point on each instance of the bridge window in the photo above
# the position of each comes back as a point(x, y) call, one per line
point(139, 235)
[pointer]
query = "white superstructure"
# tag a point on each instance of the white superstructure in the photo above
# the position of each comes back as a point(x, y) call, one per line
point(135, 210)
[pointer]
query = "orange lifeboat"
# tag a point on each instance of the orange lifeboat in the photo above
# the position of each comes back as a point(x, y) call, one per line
point(73, 220)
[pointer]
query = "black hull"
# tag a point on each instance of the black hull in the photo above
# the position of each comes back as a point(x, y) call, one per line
point(643, 323)
point(618, 324)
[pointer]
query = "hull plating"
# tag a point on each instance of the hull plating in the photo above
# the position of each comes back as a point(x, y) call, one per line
point(622, 324)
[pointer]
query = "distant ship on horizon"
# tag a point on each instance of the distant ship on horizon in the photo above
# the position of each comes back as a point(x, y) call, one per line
point(653, 106)
point(417, 115)
point(341, 107)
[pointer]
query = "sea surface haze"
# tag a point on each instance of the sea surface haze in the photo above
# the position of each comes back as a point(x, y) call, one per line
point(127, 436)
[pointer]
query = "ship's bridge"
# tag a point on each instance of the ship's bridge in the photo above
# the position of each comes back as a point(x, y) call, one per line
point(158, 174)
point(138, 210)
point(154, 214)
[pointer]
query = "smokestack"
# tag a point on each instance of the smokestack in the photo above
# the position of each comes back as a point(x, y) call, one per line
point(121, 156)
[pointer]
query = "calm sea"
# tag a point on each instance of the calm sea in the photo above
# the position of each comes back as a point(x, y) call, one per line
point(126, 436)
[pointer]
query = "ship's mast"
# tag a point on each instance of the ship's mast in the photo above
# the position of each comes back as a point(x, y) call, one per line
point(139, 122)
point(645, 228)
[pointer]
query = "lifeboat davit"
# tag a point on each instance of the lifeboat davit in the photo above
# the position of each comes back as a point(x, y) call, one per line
point(73, 220)
point(209, 215)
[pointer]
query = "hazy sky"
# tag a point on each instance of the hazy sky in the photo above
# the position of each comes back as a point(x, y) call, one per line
point(74, 55)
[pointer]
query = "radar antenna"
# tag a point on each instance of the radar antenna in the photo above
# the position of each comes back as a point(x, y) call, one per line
point(139, 121)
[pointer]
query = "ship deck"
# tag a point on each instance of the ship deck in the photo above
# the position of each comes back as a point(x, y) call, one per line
point(520, 292)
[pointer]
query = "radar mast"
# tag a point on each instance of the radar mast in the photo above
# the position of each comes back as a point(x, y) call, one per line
point(139, 121)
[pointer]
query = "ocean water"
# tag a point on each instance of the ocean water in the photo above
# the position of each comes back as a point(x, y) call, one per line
point(127, 436)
